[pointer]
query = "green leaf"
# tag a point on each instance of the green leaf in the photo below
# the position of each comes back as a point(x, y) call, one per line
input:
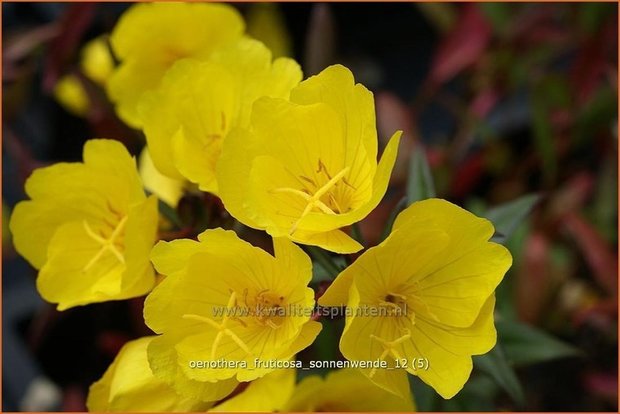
point(426, 398)
point(402, 203)
point(499, 14)
point(325, 260)
point(420, 185)
point(525, 345)
point(169, 213)
point(495, 365)
point(321, 274)
point(507, 217)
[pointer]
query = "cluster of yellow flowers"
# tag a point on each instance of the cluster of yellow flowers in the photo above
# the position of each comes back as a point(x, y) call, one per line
point(295, 158)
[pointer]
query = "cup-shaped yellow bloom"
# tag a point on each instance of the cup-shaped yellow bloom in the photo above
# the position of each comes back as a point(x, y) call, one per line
point(225, 309)
point(88, 227)
point(304, 168)
point(188, 117)
point(423, 299)
point(128, 385)
point(345, 390)
point(150, 37)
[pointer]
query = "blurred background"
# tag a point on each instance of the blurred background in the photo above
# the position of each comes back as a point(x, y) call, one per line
point(505, 102)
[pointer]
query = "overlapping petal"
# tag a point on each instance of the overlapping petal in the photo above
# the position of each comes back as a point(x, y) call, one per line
point(434, 277)
point(88, 227)
point(307, 167)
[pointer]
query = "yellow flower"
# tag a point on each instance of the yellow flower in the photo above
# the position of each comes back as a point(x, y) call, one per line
point(199, 102)
point(97, 64)
point(150, 37)
point(344, 390)
point(128, 385)
point(305, 168)
point(266, 394)
point(70, 93)
point(96, 61)
point(423, 298)
point(88, 227)
point(225, 310)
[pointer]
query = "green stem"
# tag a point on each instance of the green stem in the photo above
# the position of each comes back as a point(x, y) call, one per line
point(357, 234)
point(169, 213)
point(390, 222)
point(324, 259)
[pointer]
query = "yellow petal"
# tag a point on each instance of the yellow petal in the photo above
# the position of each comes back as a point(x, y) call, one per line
point(70, 93)
point(164, 364)
point(448, 350)
point(198, 98)
point(354, 103)
point(359, 342)
point(266, 394)
point(266, 23)
point(129, 385)
point(386, 267)
point(127, 85)
point(233, 170)
point(345, 390)
point(335, 241)
point(149, 38)
point(32, 226)
point(293, 257)
point(97, 62)
point(379, 187)
point(157, 29)
point(67, 279)
point(196, 160)
point(454, 293)
point(165, 188)
point(171, 257)
point(112, 159)
point(140, 235)
point(444, 214)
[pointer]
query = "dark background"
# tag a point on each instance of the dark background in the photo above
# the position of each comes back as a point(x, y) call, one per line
point(509, 99)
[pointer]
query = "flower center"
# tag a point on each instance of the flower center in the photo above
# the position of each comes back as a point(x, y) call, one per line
point(395, 303)
point(323, 198)
point(265, 307)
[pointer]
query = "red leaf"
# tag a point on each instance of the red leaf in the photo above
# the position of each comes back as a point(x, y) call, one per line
point(596, 251)
point(74, 23)
point(592, 63)
point(467, 175)
point(463, 46)
point(533, 278)
point(483, 102)
point(393, 115)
